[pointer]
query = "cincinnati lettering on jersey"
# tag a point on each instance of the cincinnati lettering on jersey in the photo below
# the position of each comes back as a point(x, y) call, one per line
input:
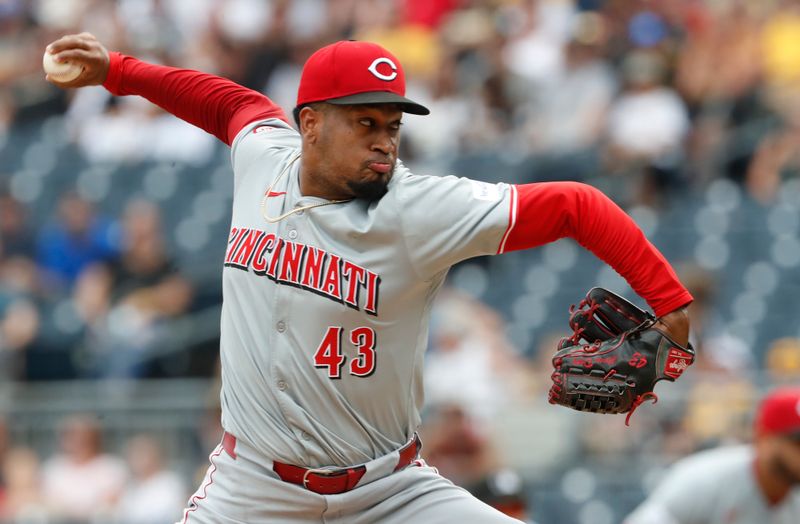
point(303, 266)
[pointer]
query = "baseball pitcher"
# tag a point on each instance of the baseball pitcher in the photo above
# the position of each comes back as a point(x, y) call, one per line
point(334, 256)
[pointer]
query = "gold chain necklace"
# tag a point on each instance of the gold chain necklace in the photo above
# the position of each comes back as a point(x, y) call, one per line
point(278, 218)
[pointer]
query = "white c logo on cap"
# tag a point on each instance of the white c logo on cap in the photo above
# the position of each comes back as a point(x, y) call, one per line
point(373, 68)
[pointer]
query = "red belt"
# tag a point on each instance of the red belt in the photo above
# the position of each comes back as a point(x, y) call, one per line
point(327, 481)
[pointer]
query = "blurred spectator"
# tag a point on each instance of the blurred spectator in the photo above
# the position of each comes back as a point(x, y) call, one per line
point(570, 113)
point(81, 482)
point(647, 127)
point(783, 361)
point(144, 274)
point(720, 60)
point(468, 346)
point(427, 13)
point(717, 410)
point(22, 501)
point(132, 129)
point(414, 45)
point(720, 399)
point(717, 71)
point(16, 237)
point(459, 447)
point(145, 289)
point(436, 140)
point(75, 239)
point(648, 120)
point(19, 277)
point(153, 495)
point(718, 350)
point(282, 83)
point(19, 315)
point(781, 48)
point(67, 322)
point(536, 48)
point(480, 92)
point(775, 157)
point(23, 95)
point(90, 295)
point(504, 491)
point(704, 287)
point(19, 324)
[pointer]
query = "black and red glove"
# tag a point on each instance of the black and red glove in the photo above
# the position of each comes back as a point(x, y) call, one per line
point(614, 358)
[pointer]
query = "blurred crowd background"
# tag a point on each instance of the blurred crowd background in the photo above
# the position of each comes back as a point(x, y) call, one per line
point(114, 217)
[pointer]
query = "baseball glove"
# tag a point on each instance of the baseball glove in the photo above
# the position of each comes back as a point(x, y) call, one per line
point(614, 357)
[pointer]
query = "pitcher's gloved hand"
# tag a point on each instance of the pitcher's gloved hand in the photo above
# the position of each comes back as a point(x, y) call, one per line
point(615, 356)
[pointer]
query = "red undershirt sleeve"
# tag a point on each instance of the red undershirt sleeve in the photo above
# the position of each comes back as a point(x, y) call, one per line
point(549, 211)
point(217, 105)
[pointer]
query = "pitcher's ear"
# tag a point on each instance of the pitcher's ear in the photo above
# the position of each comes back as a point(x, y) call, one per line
point(309, 121)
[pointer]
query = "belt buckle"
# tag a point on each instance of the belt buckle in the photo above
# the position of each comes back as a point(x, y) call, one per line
point(316, 471)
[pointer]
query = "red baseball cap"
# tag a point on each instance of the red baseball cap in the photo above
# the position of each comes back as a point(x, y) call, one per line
point(779, 413)
point(350, 72)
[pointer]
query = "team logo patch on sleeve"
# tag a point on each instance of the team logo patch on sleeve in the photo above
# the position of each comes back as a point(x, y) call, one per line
point(484, 191)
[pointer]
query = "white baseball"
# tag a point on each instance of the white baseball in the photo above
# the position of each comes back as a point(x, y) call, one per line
point(60, 71)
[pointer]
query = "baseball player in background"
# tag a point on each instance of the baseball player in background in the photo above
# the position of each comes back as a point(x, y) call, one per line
point(747, 484)
point(335, 254)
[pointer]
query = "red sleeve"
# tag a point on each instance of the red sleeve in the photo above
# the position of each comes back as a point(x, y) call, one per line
point(217, 105)
point(545, 212)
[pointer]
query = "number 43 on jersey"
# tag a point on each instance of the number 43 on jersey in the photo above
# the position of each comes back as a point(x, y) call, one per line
point(329, 353)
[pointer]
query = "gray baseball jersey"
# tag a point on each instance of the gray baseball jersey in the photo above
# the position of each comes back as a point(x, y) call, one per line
point(325, 316)
point(715, 487)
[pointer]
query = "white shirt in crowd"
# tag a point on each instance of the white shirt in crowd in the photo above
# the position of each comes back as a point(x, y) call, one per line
point(82, 490)
point(157, 500)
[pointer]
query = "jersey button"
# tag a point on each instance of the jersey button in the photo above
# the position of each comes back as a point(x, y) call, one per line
point(281, 385)
point(305, 436)
point(292, 234)
point(280, 326)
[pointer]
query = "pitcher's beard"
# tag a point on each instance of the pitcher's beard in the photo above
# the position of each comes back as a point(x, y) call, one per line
point(369, 189)
point(789, 476)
